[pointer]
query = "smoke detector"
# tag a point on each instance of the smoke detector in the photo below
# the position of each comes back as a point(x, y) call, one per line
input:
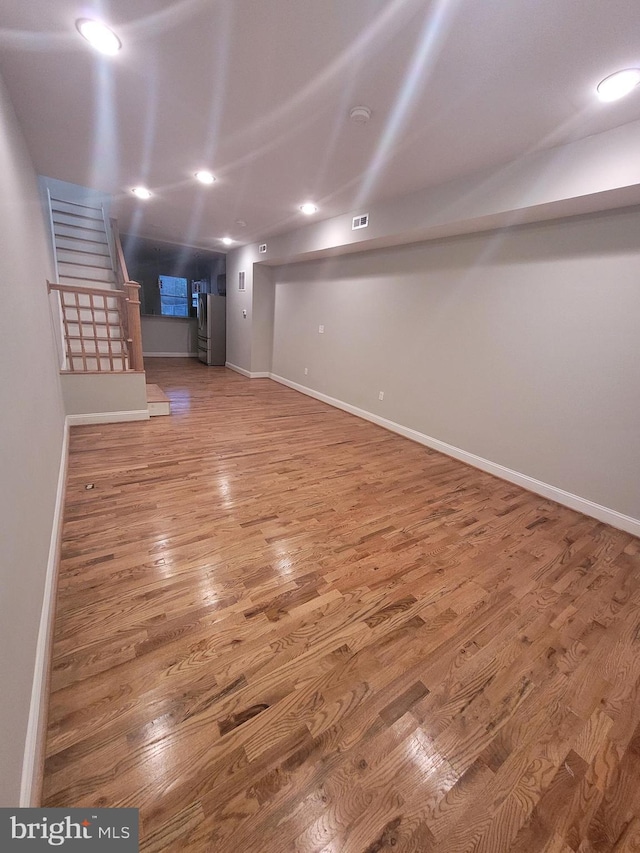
point(360, 115)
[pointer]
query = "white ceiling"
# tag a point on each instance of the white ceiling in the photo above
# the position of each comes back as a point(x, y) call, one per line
point(259, 91)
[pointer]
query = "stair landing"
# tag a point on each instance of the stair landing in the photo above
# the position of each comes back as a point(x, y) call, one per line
point(157, 401)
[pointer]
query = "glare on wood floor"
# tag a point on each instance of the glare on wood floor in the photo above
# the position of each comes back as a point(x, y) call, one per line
point(281, 628)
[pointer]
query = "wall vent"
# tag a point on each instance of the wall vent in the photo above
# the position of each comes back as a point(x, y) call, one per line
point(360, 221)
point(262, 248)
point(241, 281)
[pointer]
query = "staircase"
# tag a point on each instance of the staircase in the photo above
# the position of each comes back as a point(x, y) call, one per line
point(98, 305)
point(82, 244)
point(92, 306)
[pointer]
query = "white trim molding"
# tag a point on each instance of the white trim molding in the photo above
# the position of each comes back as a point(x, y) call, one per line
point(237, 369)
point(169, 354)
point(108, 417)
point(33, 760)
point(247, 373)
point(583, 505)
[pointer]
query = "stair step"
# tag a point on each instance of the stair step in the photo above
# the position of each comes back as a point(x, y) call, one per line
point(76, 244)
point(88, 259)
point(76, 209)
point(85, 271)
point(84, 222)
point(84, 235)
point(157, 401)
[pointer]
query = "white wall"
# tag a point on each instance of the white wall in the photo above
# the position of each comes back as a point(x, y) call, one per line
point(162, 336)
point(262, 307)
point(107, 397)
point(239, 327)
point(520, 346)
point(31, 440)
point(600, 172)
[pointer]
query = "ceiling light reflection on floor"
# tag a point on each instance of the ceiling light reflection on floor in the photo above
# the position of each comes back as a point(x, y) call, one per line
point(224, 491)
point(180, 400)
point(421, 752)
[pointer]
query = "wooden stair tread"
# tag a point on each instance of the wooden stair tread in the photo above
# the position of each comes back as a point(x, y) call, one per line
point(157, 401)
point(155, 394)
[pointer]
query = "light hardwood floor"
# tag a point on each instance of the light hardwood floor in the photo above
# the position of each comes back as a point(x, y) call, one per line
point(282, 628)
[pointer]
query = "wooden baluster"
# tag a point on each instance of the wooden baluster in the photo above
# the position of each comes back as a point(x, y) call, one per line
point(96, 342)
point(67, 333)
point(87, 301)
point(136, 361)
point(123, 337)
point(83, 352)
point(105, 301)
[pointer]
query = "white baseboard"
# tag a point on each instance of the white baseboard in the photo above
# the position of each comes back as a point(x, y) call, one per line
point(169, 354)
point(259, 375)
point(33, 760)
point(108, 417)
point(237, 369)
point(583, 505)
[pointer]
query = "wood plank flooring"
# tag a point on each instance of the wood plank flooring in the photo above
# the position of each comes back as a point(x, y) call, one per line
point(282, 629)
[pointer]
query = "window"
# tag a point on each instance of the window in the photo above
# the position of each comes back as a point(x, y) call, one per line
point(174, 296)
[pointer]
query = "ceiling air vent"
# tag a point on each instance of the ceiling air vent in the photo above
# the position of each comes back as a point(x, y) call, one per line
point(241, 281)
point(262, 248)
point(360, 221)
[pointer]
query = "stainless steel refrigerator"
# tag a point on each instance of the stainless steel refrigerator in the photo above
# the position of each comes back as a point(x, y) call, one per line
point(212, 328)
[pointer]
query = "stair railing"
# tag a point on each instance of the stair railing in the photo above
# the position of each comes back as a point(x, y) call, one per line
point(120, 264)
point(101, 328)
point(132, 324)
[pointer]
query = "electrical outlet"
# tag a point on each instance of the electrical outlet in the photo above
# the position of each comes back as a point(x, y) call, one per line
point(321, 330)
point(380, 395)
point(306, 371)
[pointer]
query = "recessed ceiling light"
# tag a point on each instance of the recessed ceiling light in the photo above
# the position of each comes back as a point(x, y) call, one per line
point(308, 207)
point(619, 84)
point(360, 115)
point(99, 36)
point(141, 192)
point(205, 177)
point(227, 241)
